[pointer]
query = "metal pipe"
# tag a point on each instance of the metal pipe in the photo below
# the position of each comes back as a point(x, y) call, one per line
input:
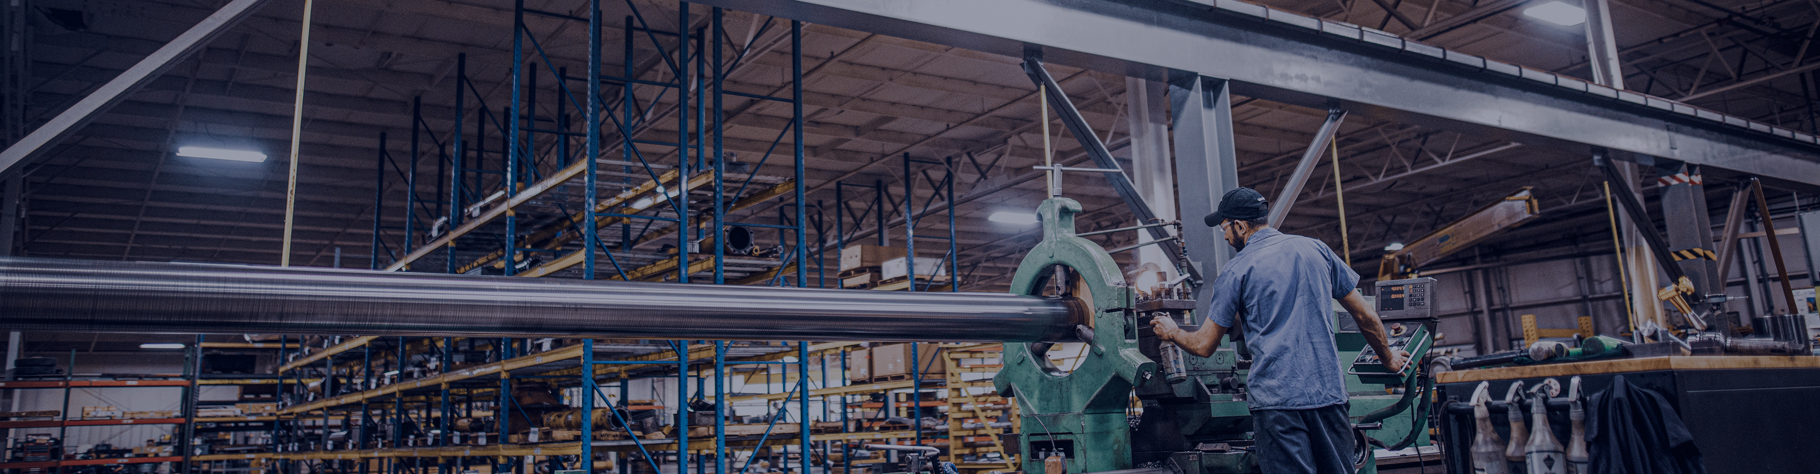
point(39, 294)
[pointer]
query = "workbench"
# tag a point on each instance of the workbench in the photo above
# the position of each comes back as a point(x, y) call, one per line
point(1748, 414)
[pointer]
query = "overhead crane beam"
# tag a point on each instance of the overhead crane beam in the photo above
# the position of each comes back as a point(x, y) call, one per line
point(1286, 57)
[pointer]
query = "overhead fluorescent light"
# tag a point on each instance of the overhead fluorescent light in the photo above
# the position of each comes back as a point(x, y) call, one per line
point(1558, 13)
point(221, 154)
point(1394, 246)
point(1012, 217)
point(161, 345)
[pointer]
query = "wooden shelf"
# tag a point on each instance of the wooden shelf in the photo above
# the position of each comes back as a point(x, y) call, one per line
point(563, 354)
point(94, 384)
point(231, 419)
point(96, 462)
point(843, 390)
point(56, 423)
point(247, 345)
point(319, 355)
point(31, 424)
point(130, 421)
point(231, 457)
point(88, 462)
point(1612, 366)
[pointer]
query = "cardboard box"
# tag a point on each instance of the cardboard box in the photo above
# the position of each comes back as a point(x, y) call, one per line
point(863, 280)
point(30, 414)
point(218, 411)
point(889, 361)
point(859, 365)
point(139, 415)
point(926, 267)
point(862, 255)
point(257, 408)
point(100, 413)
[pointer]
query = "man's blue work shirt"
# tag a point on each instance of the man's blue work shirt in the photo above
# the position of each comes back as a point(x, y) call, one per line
point(1283, 286)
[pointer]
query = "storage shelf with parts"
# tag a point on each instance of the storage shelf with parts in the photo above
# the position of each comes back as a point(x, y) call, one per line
point(235, 425)
point(44, 427)
point(366, 409)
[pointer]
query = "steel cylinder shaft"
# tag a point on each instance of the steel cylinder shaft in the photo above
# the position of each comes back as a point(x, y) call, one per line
point(39, 294)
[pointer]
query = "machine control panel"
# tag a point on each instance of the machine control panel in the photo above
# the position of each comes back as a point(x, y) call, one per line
point(1406, 299)
point(1414, 339)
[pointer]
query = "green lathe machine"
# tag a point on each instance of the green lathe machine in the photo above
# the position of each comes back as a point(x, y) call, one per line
point(1194, 416)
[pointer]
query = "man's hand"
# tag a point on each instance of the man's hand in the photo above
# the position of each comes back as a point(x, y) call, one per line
point(1395, 361)
point(1165, 328)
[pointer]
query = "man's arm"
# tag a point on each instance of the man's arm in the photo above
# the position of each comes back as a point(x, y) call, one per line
point(1201, 342)
point(1374, 330)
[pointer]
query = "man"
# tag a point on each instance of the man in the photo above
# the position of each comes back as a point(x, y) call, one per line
point(1280, 285)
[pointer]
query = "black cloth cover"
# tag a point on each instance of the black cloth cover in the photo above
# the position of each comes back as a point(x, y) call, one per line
point(1634, 430)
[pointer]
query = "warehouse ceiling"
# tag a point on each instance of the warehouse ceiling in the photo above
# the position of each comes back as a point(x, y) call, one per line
point(116, 191)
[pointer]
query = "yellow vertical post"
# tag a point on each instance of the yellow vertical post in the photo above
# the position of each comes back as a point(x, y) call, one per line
point(290, 194)
point(1617, 243)
point(1048, 156)
point(1339, 196)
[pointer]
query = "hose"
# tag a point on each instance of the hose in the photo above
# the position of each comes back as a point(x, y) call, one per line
point(1402, 403)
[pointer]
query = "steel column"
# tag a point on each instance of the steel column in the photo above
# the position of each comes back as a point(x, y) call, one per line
point(589, 389)
point(591, 241)
point(954, 249)
point(378, 201)
point(1601, 46)
point(1809, 223)
point(720, 384)
point(1146, 105)
point(720, 187)
point(1206, 166)
point(455, 158)
point(682, 161)
point(410, 180)
point(682, 383)
point(796, 128)
point(513, 150)
point(802, 394)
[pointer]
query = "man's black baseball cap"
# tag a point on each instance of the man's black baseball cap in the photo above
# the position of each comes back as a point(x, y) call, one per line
point(1239, 204)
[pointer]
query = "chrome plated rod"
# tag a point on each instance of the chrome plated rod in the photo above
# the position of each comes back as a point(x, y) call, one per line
point(39, 294)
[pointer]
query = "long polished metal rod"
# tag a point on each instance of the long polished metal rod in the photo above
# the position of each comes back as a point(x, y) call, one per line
point(39, 294)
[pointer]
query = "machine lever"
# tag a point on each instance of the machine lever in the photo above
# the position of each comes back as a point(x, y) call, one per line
point(1083, 332)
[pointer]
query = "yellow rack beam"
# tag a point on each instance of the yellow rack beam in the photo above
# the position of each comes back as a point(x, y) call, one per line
point(578, 256)
point(319, 355)
point(566, 353)
point(527, 194)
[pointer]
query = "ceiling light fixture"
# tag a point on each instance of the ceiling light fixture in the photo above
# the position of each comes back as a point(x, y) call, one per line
point(161, 345)
point(1012, 217)
point(1558, 13)
point(1394, 246)
point(221, 154)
